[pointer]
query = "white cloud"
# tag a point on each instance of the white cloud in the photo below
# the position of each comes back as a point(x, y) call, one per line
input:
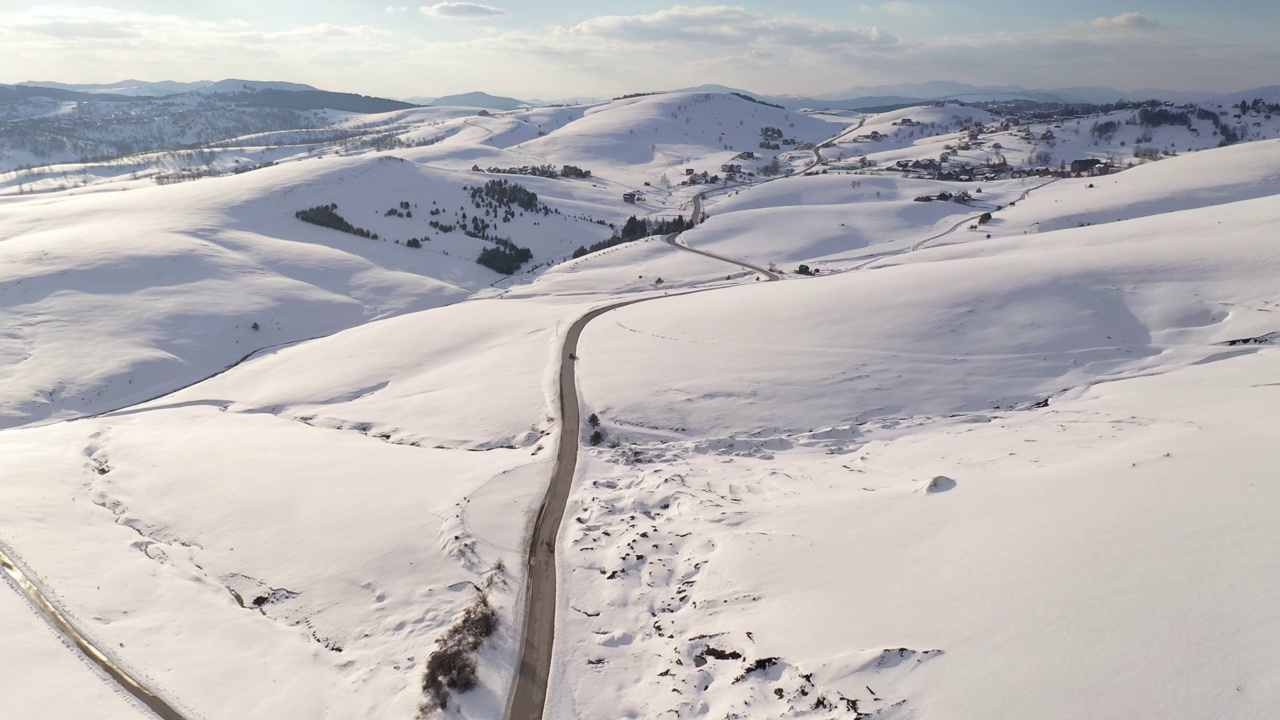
point(901, 9)
point(1126, 21)
point(104, 45)
point(463, 10)
point(680, 46)
point(725, 25)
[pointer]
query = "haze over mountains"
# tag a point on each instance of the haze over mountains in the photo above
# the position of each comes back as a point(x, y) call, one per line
point(856, 97)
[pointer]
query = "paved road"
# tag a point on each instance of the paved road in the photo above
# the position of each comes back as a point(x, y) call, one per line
point(529, 694)
point(67, 629)
point(58, 620)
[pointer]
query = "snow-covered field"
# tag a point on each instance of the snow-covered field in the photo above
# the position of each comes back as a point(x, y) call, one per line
point(1017, 471)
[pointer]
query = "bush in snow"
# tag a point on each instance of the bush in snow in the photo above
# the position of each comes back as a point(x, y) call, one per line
point(452, 667)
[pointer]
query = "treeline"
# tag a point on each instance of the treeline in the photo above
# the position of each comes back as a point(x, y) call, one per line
point(757, 101)
point(546, 171)
point(634, 229)
point(1156, 117)
point(505, 256)
point(327, 216)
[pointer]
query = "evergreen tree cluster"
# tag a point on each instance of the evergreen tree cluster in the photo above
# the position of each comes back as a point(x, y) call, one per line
point(1104, 130)
point(506, 194)
point(327, 216)
point(634, 229)
point(505, 256)
point(546, 171)
point(479, 228)
point(401, 211)
point(1228, 133)
point(1155, 117)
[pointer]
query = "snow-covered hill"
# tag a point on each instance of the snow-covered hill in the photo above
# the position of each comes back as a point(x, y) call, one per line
point(168, 284)
point(975, 483)
point(958, 474)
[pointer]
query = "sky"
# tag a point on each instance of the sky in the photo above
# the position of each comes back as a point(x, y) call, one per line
point(557, 49)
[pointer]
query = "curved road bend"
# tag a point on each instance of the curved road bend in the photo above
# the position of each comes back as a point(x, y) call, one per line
point(118, 675)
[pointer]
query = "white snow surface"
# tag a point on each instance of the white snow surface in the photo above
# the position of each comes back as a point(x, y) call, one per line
point(1013, 472)
point(854, 479)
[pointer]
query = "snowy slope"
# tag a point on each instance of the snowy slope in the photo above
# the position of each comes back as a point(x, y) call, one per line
point(191, 267)
point(853, 483)
point(1196, 180)
point(65, 684)
point(359, 488)
point(830, 221)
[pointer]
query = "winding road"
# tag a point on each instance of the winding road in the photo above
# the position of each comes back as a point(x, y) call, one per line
point(529, 694)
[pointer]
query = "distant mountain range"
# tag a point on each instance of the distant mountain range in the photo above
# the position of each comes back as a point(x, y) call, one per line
point(300, 96)
point(142, 88)
point(293, 96)
point(862, 98)
point(473, 99)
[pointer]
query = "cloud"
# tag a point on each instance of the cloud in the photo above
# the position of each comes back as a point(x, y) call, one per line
point(680, 46)
point(724, 25)
point(98, 44)
point(901, 9)
point(463, 10)
point(1126, 21)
